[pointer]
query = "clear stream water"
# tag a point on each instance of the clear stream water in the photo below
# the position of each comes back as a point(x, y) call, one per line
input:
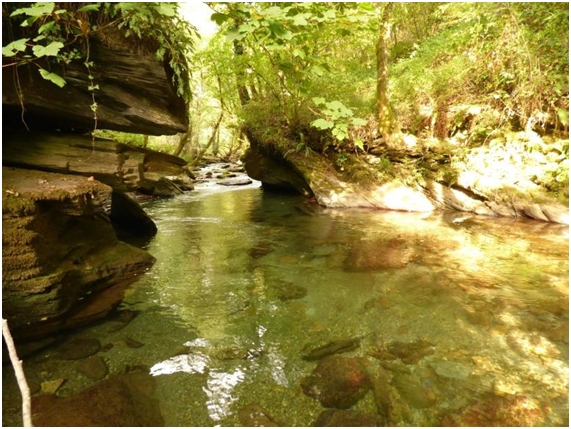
point(219, 330)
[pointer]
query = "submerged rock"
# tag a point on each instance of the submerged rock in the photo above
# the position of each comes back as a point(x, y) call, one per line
point(496, 411)
point(254, 416)
point(409, 353)
point(381, 254)
point(94, 368)
point(120, 400)
point(287, 291)
point(348, 418)
point(79, 348)
point(337, 382)
point(316, 352)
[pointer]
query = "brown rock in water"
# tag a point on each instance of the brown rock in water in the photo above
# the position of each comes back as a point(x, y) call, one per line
point(287, 291)
point(94, 368)
point(348, 418)
point(62, 264)
point(133, 344)
point(120, 400)
point(254, 416)
point(337, 382)
point(496, 411)
point(409, 353)
point(379, 255)
point(389, 403)
point(79, 348)
point(316, 352)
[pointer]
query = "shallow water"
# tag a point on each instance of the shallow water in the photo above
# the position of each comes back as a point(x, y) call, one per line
point(244, 280)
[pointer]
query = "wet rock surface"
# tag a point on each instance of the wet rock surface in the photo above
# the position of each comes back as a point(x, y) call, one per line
point(378, 255)
point(94, 368)
point(79, 348)
point(494, 411)
point(286, 291)
point(409, 353)
point(319, 351)
point(120, 400)
point(337, 382)
point(348, 418)
point(254, 416)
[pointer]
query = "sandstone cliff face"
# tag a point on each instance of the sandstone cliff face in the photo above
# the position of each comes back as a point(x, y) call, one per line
point(135, 95)
point(125, 168)
point(62, 264)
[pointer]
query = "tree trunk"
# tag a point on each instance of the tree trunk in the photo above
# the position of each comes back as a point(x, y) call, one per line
point(210, 140)
point(240, 75)
point(145, 140)
point(384, 112)
point(183, 140)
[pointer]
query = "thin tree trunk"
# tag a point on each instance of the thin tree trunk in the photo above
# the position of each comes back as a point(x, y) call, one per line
point(20, 376)
point(184, 139)
point(384, 112)
point(210, 140)
point(145, 140)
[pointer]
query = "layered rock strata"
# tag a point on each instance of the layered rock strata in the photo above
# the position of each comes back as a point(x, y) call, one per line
point(62, 264)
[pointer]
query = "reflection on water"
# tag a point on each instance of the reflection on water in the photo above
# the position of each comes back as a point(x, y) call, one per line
point(457, 316)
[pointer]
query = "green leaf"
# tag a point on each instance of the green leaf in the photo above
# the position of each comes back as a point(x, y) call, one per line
point(359, 122)
point(90, 7)
point(14, 47)
point(46, 27)
point(301, 19)
point(165, 9)
point(299, 53)
point(50, 50)
point(53, 77)
point(37, 10)
point(317, 70)
point(234, 34)
point(339, 132)
point(359, 143)
point(279, 31)
point(286, 67)
point(323, 124)
point(271, 12)
point(219, 18)
point(318, 100)
point(329, 14)
point(335, 105)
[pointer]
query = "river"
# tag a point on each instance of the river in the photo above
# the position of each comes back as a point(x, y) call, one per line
point(466, 316)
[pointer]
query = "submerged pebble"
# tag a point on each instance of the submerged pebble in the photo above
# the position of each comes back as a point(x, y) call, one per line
point(79, 348)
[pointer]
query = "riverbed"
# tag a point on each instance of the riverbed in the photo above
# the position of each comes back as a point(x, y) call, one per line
point(466, 316)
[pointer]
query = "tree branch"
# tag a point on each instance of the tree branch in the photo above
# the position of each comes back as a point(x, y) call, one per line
point(20, 376)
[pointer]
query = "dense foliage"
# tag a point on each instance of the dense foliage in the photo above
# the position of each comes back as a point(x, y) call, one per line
point(461, 75)
point(61, 33)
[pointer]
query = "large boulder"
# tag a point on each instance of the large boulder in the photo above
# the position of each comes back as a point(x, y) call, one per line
point(62, 264)
point(362, 185)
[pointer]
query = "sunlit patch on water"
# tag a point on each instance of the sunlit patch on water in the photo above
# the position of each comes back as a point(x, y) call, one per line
point(190, 363)
point(219, 389)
